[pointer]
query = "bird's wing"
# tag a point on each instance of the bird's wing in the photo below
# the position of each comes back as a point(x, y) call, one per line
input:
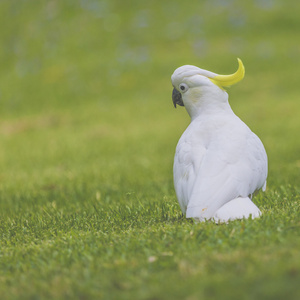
point(187, 162)
point(235, 164)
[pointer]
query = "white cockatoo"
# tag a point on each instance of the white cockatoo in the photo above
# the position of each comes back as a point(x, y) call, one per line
point(219, 162)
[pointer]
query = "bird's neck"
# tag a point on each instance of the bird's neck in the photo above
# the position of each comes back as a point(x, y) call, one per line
point(209, 104)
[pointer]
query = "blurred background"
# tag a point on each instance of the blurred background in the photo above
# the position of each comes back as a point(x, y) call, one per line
point(87, 139)
point(85, 90)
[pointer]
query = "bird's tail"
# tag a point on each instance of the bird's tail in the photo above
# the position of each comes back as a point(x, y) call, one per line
point(238, 208)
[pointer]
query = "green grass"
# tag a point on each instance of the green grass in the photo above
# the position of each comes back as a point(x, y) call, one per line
point(88, 134)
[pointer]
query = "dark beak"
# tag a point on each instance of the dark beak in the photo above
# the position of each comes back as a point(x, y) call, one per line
point(176, 97)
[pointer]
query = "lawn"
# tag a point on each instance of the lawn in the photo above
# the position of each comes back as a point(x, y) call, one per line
point(88, 133)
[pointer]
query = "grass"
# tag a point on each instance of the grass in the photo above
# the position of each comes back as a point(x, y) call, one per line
point(88, 133)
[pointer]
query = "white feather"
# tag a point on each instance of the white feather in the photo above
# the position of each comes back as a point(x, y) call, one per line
point(218, 158)
point(237, 208)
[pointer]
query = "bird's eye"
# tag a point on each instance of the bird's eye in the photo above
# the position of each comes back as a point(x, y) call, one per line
point(183, 87)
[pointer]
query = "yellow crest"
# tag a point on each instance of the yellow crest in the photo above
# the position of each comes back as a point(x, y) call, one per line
point(228, 80)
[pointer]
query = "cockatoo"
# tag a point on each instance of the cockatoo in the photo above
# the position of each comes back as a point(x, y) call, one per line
point(219, 162)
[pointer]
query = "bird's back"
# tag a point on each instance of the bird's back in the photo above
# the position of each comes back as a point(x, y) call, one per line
point(217, 159)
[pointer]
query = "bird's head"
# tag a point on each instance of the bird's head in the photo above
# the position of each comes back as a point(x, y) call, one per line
point(195, 87)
